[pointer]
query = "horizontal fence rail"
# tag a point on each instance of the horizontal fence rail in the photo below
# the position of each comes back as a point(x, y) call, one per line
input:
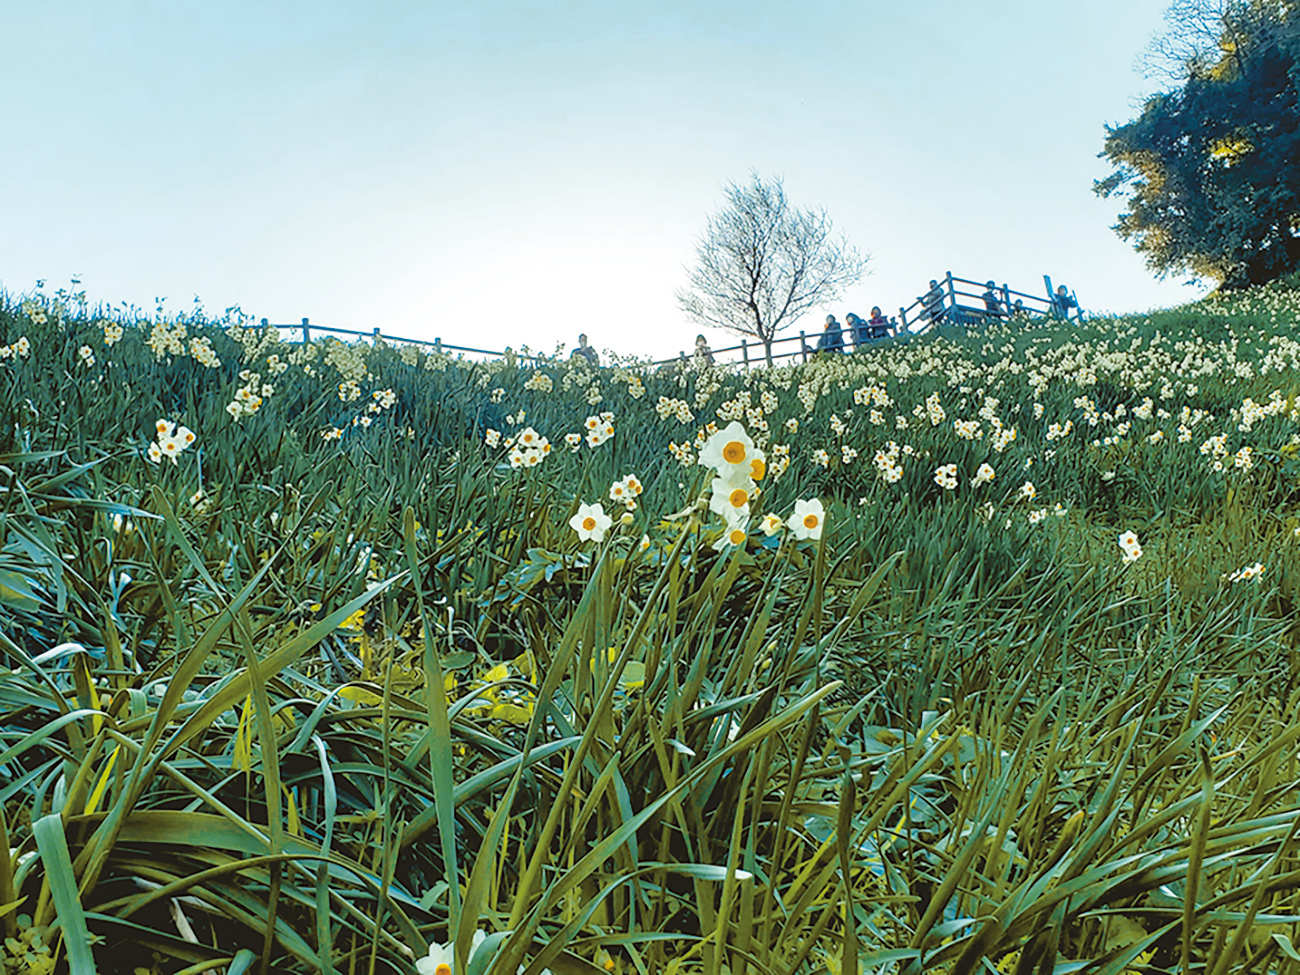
point(948, 303)
point(437, 345)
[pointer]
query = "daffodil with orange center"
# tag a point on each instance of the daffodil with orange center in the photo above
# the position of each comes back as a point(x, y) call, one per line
point(731, 496)
point(808, 519)
point(729, 451)
point(733, 536)
point(591, 522)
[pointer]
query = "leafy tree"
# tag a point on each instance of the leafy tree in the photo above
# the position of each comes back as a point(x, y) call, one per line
point(761, 263)
point(1211, 170)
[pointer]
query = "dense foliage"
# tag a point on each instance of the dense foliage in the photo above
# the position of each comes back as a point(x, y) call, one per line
point(323, 658)
point(1210, 171)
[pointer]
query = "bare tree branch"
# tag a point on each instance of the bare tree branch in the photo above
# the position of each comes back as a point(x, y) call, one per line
point(1206, 37)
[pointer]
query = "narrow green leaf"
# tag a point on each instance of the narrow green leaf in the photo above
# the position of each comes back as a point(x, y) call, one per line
point(52, 843)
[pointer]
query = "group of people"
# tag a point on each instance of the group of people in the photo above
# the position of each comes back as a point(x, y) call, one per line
point(834, 339)
point(996, 306)
point(703, 355)
point(860, 331)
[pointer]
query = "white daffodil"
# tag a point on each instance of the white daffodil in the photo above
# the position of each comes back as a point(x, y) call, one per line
point(1128, 543)
point(771, 524)
point(808, 519)
point(733, 537)
point(729, 451)
point(155, 453)
point(441, 959)
point(591, 522)
point(731, 495)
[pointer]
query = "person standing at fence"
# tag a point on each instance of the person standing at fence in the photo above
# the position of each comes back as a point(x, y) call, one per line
point(857, 330)
point(703, 354)
point(586, 351)
point(1063, 301)
point(992, 303)
point(877, 324)
point(832, 337)
point(932, 303)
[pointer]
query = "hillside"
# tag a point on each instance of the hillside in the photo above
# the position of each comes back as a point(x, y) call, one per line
point(307, 632)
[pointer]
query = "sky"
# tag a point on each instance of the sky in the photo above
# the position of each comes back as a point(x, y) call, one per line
point(514, 172)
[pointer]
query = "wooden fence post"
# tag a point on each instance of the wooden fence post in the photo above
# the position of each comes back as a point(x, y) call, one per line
point(803, 346)
point(306, 334)
point(376, 339)
point(952, 296)
point(264, 323)
point(902, 317)
point(744, 351)
point(437, 346)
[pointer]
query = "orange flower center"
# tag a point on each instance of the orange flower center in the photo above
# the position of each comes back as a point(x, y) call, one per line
point(733, 452)
point(757, 468)
point(442, 969)
point(737, 536)
point(588, 523)
point(810, 521)
point(739, 498)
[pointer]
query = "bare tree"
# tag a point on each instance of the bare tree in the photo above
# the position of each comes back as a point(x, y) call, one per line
point(762, 263)
point(1209, 37)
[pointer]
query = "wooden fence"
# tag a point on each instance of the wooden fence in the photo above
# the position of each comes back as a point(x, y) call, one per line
point(928, 311)
point(437, 345)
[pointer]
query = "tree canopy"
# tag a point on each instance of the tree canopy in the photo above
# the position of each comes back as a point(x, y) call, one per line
point(1210, 171)
point(761, 263)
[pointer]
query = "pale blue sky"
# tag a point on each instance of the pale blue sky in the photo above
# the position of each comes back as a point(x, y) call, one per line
point(501, 173)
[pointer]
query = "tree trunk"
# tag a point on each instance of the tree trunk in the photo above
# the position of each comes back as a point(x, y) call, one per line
point(767, 349)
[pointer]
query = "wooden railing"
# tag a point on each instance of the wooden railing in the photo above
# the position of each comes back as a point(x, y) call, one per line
point(928, 311)
point(952, 308)
point(437, 345)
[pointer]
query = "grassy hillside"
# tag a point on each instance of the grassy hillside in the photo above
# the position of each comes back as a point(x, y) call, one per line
point(319, 658)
